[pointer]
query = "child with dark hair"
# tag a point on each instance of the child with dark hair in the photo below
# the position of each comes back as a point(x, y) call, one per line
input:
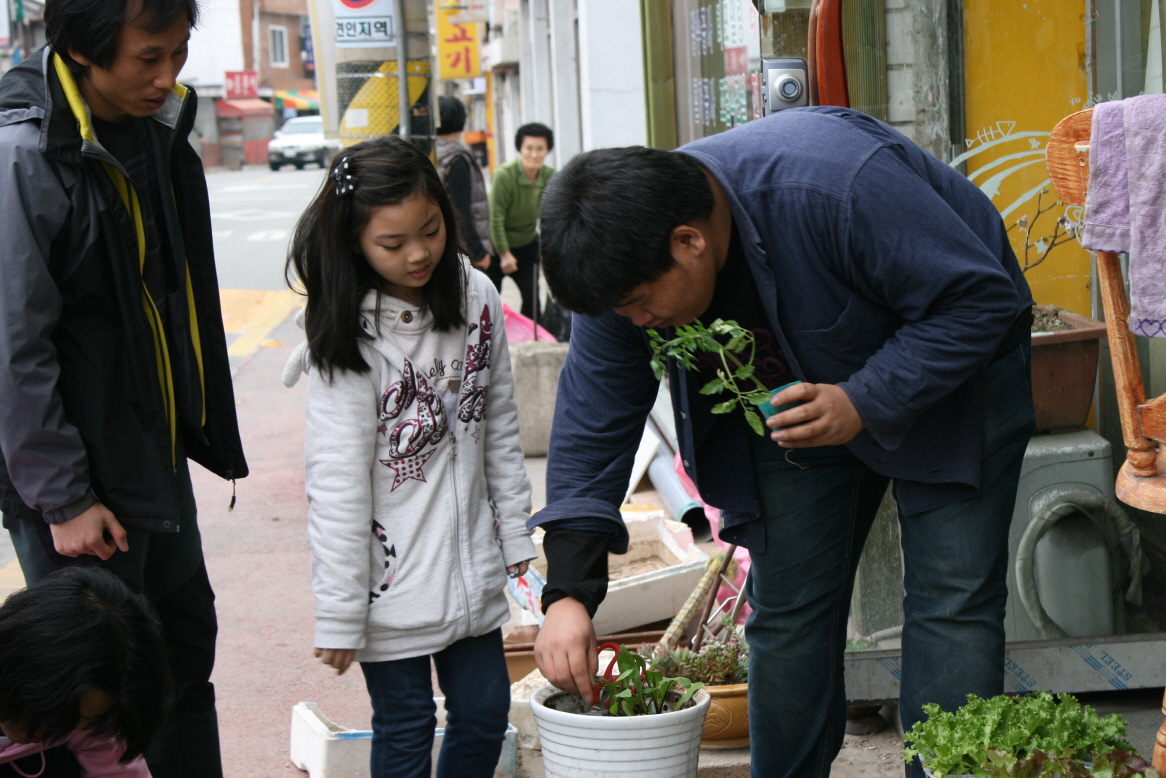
point(417, 489)
point(83, 678)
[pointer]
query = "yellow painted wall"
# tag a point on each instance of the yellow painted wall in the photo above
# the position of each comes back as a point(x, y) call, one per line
point(1024, 72)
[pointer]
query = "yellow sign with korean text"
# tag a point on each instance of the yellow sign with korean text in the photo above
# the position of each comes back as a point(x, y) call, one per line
point(458, 45)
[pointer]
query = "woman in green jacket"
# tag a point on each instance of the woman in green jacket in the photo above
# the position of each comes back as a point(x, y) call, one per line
point(516, 192)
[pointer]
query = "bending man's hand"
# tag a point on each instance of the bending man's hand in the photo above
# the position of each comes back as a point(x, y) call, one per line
point(85, 534)
point(827, 418)
point(565, 648)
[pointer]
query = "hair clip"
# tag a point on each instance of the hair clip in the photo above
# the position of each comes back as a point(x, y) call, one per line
point(345, 183)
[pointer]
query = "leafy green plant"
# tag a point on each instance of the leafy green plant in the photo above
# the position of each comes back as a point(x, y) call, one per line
point(719, 662)
point(726, 339)
point(1021, 737)
point(637, 690)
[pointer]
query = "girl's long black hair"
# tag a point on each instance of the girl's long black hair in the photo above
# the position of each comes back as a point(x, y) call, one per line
point(325, 262)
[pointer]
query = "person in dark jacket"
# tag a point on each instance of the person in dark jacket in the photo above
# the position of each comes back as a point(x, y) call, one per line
point(463, 179)
point(883, 281)
point(111, 331)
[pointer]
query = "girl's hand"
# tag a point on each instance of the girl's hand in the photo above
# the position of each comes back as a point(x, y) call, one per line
point(518, 570)
point(340, 658)
point(509, 262)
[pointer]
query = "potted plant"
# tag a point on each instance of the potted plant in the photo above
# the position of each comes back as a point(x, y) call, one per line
point(729, 341)
point(644, 723)
point(1023, 737)
point(722, 665)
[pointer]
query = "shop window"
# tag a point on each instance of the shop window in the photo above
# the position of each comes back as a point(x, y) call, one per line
point(278, 47)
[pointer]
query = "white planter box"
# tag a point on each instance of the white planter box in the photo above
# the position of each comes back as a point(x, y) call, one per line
point(673, 566)
point(324, 749)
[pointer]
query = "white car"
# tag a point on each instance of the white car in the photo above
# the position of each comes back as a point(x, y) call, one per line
point(300, 141)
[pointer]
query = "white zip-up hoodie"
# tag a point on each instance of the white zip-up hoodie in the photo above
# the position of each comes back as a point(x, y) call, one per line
point(417, 505)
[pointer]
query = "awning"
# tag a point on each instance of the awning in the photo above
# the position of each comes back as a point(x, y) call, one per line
point(246, 108)
point(299, 99)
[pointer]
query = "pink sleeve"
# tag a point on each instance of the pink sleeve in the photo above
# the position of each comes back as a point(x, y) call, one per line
point(99, 758)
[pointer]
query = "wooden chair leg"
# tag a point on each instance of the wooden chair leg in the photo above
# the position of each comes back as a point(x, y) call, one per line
point(1127, 375)
point(1160, 744)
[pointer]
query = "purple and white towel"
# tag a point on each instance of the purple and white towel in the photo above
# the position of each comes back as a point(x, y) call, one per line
point(1125, 209)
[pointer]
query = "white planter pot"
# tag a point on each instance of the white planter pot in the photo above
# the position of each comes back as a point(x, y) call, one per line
point(666, 745)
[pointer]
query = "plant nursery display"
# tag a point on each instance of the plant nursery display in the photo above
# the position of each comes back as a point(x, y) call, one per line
point(729, 341)
point(644, 724)
point(1024, 737)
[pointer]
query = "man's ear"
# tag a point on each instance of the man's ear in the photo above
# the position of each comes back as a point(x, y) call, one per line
point(688, 240)
point(80, 59)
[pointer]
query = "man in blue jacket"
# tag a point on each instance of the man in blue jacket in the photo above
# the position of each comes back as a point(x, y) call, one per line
point(882, 280)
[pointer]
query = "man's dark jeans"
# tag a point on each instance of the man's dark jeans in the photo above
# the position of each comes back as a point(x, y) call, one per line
point(472, 675)
point(955, 557)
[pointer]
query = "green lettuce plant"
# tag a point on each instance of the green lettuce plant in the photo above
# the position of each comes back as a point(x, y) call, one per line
point(1023, 737)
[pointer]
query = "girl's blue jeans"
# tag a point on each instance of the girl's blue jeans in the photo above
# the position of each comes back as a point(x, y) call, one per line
point(472, 675)
point(954, 560)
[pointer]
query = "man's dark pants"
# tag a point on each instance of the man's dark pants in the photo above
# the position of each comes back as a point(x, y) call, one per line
point(954, 558)
point(169, 569)
point(526, 276)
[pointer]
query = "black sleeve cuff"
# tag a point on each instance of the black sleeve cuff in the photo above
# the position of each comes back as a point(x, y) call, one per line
point(576, 567)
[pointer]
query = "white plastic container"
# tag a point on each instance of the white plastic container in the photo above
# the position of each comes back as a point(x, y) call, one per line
point(665, 745)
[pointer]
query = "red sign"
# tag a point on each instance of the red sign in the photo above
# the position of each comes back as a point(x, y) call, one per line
point(239, 84)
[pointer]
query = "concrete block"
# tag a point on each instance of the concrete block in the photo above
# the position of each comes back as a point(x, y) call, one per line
point(536, 365)
point(323, 749)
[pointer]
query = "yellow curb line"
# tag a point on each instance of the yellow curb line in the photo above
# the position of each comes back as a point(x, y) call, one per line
point(11, 579)
point(267, 314)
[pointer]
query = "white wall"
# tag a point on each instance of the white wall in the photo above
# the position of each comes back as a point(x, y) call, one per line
point(216, 46)
point(611, 74)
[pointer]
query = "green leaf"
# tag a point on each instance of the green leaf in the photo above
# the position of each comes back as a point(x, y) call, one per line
point(726, 406)
point(745, 371)
point(755, 422)
point(713, 387)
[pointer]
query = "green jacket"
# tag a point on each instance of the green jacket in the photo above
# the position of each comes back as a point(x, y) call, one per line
point(514, 205)
point(103, 388)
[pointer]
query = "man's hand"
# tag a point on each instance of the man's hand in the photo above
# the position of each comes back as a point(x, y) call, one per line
point(827, 418)
point(483, 263)
point(509, 262)
point(565, 648)
point(340, 658)
point(85, 534)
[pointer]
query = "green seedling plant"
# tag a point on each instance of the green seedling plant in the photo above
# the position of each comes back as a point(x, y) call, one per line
point(726, 339)
point(629, 688)
point(1023, 737)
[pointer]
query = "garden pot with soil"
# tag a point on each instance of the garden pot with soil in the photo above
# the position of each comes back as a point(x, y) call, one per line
point(1065, 348)
point(646, 725)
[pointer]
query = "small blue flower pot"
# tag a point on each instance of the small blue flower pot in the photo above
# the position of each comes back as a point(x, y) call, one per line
point(768, 410)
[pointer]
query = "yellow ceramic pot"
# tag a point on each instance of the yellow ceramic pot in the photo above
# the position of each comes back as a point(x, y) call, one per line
point(727, 723)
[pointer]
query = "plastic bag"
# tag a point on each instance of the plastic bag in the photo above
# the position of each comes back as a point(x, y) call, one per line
point(520, 328)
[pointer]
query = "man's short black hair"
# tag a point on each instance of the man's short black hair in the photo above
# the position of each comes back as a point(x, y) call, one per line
point(92, 27)
point(534, 130)
point(607, 219)
point(453, 115)
point(77, 629)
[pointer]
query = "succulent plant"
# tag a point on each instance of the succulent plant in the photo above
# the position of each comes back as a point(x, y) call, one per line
point(719, 662)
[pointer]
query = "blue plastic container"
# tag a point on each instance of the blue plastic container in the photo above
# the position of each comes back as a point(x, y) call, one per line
point(768, 410)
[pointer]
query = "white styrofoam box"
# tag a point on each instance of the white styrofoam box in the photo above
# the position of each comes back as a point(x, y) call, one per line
point(652, 596)
point(324, 749)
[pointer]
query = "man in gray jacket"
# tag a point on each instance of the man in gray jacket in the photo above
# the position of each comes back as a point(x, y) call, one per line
point(111, 330)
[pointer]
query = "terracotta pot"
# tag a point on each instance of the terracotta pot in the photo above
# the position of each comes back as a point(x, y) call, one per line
point(1064, 369)
point(727, 723)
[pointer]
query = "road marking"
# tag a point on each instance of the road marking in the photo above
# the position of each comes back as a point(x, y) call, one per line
point(252, 215)
point(11, 579)
point(269, 235)
point(253, 314)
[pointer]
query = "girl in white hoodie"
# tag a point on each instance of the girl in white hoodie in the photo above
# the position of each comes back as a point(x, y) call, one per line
point(417, 489)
